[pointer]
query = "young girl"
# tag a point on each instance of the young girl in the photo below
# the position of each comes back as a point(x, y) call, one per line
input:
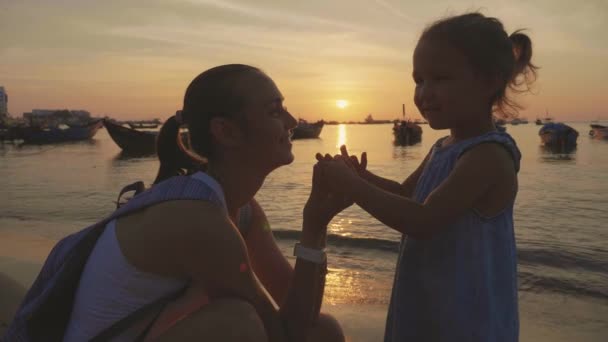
point(456, 278)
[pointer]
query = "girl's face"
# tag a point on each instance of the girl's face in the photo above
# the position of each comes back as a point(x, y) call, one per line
point(268, 125)
point(448, 93)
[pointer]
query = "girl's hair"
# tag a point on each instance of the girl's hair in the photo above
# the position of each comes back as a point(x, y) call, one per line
point(214, 93)
point(492, 54)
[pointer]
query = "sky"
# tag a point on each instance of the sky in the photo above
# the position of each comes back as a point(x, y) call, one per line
point(134, 59)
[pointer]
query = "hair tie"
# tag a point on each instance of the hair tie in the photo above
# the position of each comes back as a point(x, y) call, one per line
point(179, 117)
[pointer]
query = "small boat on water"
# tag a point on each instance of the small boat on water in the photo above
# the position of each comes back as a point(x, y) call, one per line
point(131, 140)
point(134, 141)
point(59, 133)
point(598, 131)
point(406, 133)
point(547, 119)
point(558, 137)
point(144, 124)
point(519, 121)
point(305, 130)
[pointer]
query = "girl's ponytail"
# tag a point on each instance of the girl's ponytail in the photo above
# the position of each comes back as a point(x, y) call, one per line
point(522, 50)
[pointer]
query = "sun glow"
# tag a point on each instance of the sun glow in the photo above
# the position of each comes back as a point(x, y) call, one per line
point(342, 104)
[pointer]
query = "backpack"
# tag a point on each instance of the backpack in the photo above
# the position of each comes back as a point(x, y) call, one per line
point(45, 311)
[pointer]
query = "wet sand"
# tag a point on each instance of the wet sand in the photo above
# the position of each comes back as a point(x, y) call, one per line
point(21, 257)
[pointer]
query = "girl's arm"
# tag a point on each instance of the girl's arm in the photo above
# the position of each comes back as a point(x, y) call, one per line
point(405, 189)
point(475, 173)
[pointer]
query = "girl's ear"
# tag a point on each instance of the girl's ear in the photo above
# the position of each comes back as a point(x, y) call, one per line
point(225, 131)
point(491, 86)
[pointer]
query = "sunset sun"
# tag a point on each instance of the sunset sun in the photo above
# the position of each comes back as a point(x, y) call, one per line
point(342, 104)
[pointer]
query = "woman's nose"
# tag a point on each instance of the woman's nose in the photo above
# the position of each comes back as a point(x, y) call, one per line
point(291, 122)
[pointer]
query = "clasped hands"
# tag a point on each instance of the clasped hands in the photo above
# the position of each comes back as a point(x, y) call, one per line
point(333, 177)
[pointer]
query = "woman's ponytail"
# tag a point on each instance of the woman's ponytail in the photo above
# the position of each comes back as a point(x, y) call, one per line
point(172, 154)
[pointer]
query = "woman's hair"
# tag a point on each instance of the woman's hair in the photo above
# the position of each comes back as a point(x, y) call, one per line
point(214, 93)
point(492, 53)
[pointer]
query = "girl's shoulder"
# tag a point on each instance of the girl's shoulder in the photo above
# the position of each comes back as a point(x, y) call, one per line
point(457, 149)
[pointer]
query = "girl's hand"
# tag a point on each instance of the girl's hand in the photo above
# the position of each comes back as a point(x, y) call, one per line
point(361, 167)
point(338, 173)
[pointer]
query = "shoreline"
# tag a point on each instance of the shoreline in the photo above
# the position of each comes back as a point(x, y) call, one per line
point(543, 316)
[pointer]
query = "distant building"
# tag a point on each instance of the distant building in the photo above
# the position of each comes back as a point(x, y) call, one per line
point(3, 103)
point(45, 113)
point(56, 116)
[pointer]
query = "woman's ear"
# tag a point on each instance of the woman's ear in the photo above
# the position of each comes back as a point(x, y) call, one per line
point(224, 131)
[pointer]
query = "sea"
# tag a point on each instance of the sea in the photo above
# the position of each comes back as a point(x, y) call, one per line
point(561, 214)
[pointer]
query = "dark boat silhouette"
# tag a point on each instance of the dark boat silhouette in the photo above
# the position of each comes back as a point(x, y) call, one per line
point(130, 140)
point(306, 130)
point(60, 133)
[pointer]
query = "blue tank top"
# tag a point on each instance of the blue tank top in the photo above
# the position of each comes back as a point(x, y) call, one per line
point(46, 309)
point(460, 285)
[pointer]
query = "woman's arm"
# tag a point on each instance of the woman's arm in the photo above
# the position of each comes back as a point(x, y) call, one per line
point(267, 260)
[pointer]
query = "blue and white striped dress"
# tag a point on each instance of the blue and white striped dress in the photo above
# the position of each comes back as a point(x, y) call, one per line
point(460, 285)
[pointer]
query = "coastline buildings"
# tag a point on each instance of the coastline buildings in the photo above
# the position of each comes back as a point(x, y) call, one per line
point(3, 104)
point(55, 117)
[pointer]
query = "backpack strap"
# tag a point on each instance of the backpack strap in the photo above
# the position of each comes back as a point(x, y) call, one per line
point(245, 217)
point(138, 187)
point(158, 305)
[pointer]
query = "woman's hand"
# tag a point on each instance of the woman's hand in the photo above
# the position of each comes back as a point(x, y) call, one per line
point(323, 205)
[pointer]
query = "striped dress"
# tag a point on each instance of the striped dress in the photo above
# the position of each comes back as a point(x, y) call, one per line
point(460, 285)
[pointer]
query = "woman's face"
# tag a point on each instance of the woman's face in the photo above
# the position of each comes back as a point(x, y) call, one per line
point(268, 125)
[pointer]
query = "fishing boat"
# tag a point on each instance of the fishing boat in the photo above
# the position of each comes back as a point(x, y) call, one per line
point(518, 121)
point(558, 137)
point(406, 133)
point(60, 133)
point(131, 140)
point(305, 130)
point(598, 131)
point(547, 119)
point(144, 124)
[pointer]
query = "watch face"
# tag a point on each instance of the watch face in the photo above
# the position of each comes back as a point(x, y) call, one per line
point(309, 254)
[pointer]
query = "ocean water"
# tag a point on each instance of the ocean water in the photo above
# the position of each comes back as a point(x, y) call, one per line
point(561, 213)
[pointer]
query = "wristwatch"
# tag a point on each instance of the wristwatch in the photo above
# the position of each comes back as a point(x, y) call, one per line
point(317, 256)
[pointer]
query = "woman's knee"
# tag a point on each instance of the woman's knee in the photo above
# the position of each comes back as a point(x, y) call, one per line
point(221, 320)
point(327, 329)
point(11, 294)
point(243, 317)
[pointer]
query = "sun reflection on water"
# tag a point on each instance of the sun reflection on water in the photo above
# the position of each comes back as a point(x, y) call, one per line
point(341, 135)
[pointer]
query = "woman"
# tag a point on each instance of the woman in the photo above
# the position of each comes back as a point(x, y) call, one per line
point(182, 233)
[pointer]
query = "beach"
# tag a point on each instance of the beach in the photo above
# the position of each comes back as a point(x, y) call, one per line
point(21, 258)
point(55, 190)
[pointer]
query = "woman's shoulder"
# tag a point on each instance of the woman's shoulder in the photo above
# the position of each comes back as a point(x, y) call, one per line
point(175, 220)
